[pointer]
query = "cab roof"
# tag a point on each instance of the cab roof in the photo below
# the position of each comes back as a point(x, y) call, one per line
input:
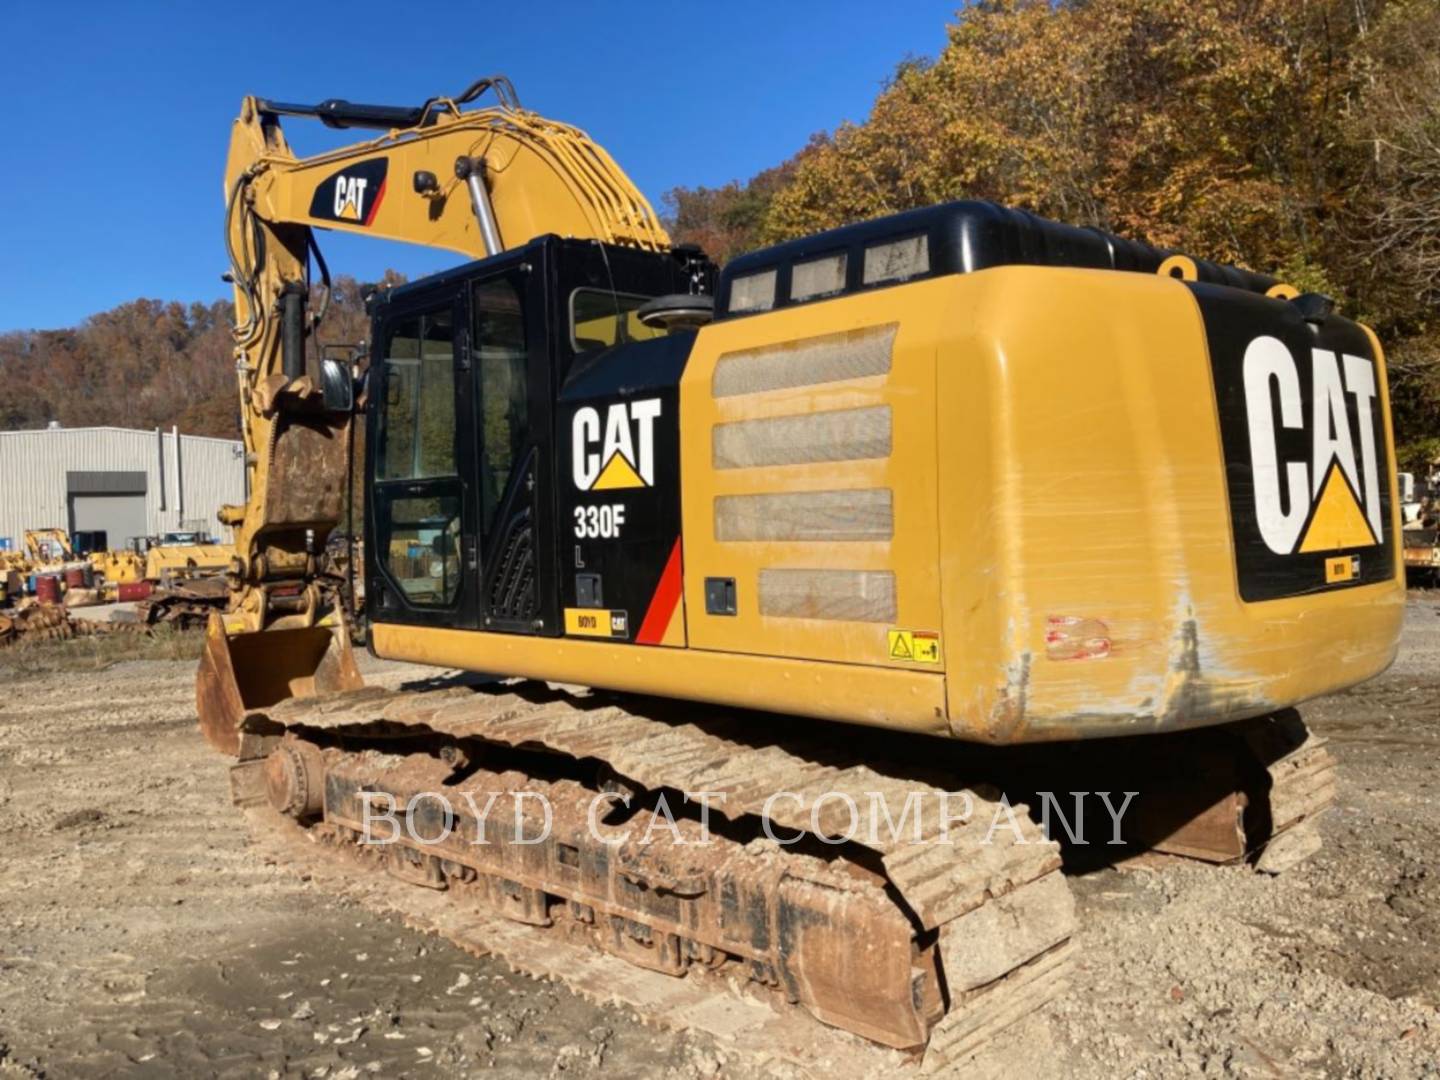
point(952, 238)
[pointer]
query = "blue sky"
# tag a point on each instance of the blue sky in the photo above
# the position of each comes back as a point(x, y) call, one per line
point(118, 113)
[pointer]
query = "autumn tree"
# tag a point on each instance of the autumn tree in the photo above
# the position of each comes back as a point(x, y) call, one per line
point(1394, 218)
point(1295, 137)
point(149, 363)
point(1204, 124)
point(725, 221)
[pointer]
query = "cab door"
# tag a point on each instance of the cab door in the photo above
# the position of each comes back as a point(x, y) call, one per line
point(422, 505)
point(512, 366)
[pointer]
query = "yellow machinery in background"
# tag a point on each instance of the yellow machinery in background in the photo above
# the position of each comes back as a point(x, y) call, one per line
point(48, 549)
point(173, 559)
point(14, 561)
point(119, 567)
point(954, 477)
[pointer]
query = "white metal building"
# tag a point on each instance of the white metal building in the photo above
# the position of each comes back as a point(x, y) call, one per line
point(128, 483)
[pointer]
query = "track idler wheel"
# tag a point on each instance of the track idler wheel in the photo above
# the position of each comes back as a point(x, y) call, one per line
point(295, 780)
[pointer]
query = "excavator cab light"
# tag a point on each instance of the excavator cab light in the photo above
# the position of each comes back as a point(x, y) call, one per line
point(1314, 307)
point(678, 311)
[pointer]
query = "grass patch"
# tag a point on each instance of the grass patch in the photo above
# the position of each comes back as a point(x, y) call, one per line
point(99, 651)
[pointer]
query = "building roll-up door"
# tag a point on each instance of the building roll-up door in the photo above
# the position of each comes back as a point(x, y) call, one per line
point(110, 501)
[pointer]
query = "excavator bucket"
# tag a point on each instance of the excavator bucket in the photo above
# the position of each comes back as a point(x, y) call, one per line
point(243, 673)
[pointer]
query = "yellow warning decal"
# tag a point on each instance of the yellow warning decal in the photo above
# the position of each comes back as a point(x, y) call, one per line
point(1344, 568)
point(914, 646)
point(596, 622)
point(1338, 521)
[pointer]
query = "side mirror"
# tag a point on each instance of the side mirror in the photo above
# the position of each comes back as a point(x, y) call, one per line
point(337, 386)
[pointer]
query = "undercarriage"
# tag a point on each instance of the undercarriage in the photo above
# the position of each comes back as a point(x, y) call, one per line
point(751, 873)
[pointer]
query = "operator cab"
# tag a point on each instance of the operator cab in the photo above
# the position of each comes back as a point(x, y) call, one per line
point(471, 471)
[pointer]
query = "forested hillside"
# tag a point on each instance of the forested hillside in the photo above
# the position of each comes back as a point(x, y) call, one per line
point(1299, 137)
point(147, 363)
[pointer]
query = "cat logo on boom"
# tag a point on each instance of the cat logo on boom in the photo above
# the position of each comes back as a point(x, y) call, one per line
point(353, 194)
point(349, 197)
point(617, 450)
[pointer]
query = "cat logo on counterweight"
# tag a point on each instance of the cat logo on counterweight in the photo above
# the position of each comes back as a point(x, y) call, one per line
point(1329, 500)
point(1301, 406)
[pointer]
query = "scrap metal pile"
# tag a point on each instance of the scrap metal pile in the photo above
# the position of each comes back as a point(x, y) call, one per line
point(185, 606)
point(53, 622)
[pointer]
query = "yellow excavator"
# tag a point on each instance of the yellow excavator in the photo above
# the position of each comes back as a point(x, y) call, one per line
point(178, 556)
point(48, 549)
point(905, 516)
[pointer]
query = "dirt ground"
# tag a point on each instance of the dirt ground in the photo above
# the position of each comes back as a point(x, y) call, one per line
point(141, 933)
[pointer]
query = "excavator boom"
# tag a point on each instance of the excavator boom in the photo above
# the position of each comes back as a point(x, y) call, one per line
point(474, 181)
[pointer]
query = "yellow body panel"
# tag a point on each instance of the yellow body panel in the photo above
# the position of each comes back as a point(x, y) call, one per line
point(904, 700)
point(1083, 478)
point(184, 560)
point(1030, 459)
point(907, 473)
point(118, 567)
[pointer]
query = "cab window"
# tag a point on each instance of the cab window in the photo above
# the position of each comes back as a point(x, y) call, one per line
point(600, 318)
point(418, 519)
point(502, 361)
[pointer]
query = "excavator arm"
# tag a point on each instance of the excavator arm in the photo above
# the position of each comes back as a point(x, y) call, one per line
point(48, 546)
point(476, 181)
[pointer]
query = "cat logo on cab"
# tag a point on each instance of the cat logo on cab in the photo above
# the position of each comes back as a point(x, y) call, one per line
point(618, 451)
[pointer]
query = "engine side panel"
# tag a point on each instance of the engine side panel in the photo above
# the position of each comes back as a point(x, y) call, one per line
point(808, 450)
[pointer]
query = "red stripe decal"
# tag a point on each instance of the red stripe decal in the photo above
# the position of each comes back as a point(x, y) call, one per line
point(662, 604)
point(374, 206)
